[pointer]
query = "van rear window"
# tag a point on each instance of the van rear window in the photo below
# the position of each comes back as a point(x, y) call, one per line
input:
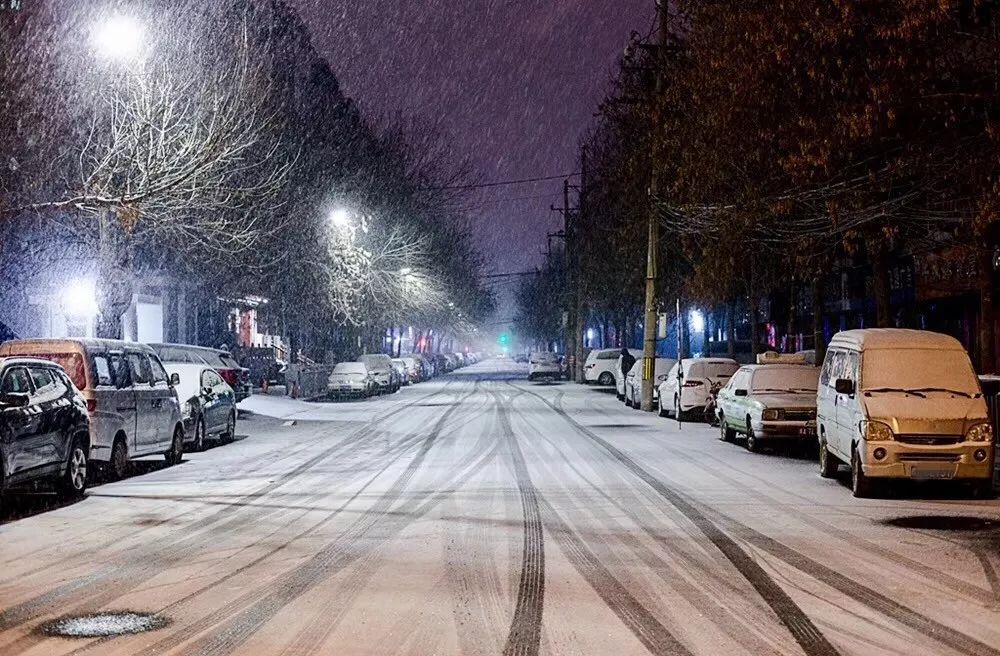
point(71, 362)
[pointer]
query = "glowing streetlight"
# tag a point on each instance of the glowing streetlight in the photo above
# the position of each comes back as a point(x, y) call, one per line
point(341, 218)
point(79, 300)
point(697, 321)
point(119, 39)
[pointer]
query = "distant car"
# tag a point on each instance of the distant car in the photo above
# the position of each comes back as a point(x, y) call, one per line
point(633, 383)
point(223, 362)
point(769, 402)
point(544, 365)
point(133, 406)
point(44, 427)
point(380, 367)
point(414, 368)
point(600, 366)
point(402, 371)
point(208, 403)
point(698, 381)
point(351, 379)
point(521, 358)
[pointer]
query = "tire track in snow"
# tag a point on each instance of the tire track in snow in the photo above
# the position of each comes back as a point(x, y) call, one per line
point(240, 619)
point(525, 633)
point(112, 581)
point(805, 632)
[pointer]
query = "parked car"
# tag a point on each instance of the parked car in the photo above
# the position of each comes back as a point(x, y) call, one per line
point(208, 403)
point(402, 371)
point(620, 375)
point(544, 365)
point(223, 362)
point(351, 379)
point(521, 358)
point(44, 427)
point(903, 404)
point(600, 366)
point(133, 407)
point(633, 382)
point(769, 402)
point(380, 367)
point(414, 368)
point(691, 385)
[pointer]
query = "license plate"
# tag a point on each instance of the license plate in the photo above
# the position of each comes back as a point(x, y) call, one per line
point(932, 473)
point(807, 432)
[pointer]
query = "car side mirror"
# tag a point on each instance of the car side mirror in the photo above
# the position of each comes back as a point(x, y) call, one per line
point(14, 400)
point(740, 392)
point(207, 391)
point(175, 379)
point(844, 386)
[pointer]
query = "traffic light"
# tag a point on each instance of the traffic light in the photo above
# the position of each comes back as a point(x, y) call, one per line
point(504, 339)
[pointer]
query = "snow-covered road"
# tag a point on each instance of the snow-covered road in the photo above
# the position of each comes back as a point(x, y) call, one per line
point(481, 514)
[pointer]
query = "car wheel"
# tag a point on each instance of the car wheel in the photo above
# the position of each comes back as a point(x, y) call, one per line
point(753, 446)
point(606, 379)
point(829, 464)
point(660, 409)
point(176, 452)
point(726, 434)
point(74, 481)
point(677, 408)
point(199, 435)
point(861, 485)
point(230, 434)
point(119, 464)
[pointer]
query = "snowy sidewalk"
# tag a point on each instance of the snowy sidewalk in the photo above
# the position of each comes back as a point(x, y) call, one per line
point(283, 407)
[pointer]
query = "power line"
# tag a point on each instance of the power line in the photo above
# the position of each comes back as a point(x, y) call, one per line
point(503, 183)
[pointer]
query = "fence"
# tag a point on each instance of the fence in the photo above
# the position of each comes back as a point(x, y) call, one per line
point(311, 379)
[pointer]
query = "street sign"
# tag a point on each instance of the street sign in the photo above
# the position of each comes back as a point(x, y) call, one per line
point(661, 325)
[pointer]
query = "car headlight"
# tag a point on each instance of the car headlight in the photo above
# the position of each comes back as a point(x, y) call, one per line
point(773, 414)
point(876, 431)
point(186, 409)
point(980, 433)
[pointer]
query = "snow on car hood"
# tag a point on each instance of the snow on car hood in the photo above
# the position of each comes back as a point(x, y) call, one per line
point(786, 400)
point(937, 414)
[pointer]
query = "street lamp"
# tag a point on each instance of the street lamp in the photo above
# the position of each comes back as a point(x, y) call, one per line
point(119, 39)
point(341, 218)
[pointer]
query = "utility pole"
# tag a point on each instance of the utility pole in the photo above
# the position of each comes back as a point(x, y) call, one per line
point(579, 298)
point(569, 261)
point(652, 252)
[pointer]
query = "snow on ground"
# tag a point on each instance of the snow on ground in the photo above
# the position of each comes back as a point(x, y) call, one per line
point(482, 514)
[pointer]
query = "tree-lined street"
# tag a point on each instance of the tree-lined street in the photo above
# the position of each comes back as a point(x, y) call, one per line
point(481, 514)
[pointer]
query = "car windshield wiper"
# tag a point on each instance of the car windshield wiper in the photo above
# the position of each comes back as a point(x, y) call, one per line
point(944, 389)
point(897, 389)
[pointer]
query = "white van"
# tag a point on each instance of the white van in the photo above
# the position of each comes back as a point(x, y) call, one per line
point(600, 366)
point(897, 403)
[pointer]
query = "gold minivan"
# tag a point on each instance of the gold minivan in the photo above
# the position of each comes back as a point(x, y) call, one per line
point(131, 400)
point(895, 403)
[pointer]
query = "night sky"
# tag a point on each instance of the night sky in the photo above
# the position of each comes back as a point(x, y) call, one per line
point(511, 84)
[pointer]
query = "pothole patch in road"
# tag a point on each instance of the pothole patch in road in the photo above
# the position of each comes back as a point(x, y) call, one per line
point(946, 523)
point(104, 625)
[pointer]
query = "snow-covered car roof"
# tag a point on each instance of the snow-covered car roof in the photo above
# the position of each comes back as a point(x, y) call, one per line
point(895, 338)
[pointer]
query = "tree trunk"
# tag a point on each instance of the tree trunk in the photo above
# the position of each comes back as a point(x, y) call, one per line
point(754, 326)
point(880, 285)
point(791, 341)
point(115, 276)
point(987, 355)
point(819, 341)
point(581, 329)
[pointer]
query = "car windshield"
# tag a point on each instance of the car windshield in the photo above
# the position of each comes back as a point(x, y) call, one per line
point(713, 370)
point(786, 379)
point(349, 368)
point(920, 370)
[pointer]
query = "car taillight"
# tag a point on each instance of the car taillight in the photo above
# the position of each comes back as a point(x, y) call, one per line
point(693, 383)
point(91, 405)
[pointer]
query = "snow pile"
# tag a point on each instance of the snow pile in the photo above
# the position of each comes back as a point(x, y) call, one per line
point(103, 625)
